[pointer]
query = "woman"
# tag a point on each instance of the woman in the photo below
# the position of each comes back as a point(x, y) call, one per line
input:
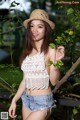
point(35, 88)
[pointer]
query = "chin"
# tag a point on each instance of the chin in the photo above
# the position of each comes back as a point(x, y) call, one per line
point(36, 40)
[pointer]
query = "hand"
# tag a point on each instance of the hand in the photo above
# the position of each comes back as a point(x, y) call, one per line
point(60, 52)
point(12, 110)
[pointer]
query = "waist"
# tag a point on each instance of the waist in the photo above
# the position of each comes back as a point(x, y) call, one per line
point(39, 91)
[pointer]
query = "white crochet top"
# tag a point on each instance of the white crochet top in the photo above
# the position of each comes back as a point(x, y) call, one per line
point(36, 74)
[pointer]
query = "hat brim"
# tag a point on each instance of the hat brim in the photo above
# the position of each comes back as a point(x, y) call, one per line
point(51, 24)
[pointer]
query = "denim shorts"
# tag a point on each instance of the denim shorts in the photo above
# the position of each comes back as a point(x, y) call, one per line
point(38, 102)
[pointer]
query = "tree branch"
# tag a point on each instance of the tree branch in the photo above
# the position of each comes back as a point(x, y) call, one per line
point(9, 89)
point(68, 73)
point(11, 30)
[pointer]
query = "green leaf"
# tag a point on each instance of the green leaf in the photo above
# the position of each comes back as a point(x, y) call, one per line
point(71, 32)
point(50, 63)
point(70, 11)
point(52, 45)
point(59, 64)
point(75, 111)
point(14, 85)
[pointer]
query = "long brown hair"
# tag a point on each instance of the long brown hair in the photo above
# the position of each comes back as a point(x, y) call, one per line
point(29, 42)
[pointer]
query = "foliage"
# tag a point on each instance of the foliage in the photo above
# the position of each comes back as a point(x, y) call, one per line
point(64, 34)
point(10, 76)
point(11, 34)
point(70, 37)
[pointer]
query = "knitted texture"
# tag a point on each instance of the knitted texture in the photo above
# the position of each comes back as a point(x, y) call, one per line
point(36, 74)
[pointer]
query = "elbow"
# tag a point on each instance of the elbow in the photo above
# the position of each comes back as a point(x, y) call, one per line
point(54, 81)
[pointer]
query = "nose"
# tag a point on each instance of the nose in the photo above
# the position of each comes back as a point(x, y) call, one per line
point(34, 29)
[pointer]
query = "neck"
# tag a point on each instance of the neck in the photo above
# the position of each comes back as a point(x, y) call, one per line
point(39, 44)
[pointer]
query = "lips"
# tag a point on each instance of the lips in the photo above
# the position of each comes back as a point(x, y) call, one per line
point(35, 35)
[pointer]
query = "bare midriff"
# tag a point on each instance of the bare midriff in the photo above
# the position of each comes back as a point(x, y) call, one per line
point(39, 91)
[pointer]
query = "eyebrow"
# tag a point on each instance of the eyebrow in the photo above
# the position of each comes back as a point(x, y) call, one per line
point(38, 24)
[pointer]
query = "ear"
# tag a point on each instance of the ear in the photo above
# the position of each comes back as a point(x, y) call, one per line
point(60, 52)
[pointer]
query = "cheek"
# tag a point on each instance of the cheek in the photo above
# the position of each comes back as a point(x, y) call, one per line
point(31, 30)
point(43, 32)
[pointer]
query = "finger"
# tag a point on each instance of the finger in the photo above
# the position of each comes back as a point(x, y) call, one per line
point(60, 49)
point(11, 113)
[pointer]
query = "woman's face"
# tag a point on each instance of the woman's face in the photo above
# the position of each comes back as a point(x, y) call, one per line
point(38, 30)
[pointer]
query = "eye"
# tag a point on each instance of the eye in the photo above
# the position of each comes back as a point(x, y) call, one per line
point(31, 26)
point(40, 26)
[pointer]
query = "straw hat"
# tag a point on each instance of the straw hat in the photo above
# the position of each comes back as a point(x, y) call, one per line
point(39, 14)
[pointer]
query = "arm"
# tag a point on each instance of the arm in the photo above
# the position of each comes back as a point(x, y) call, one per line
point(54, 75)
point(55, 55)
point(16, 98)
